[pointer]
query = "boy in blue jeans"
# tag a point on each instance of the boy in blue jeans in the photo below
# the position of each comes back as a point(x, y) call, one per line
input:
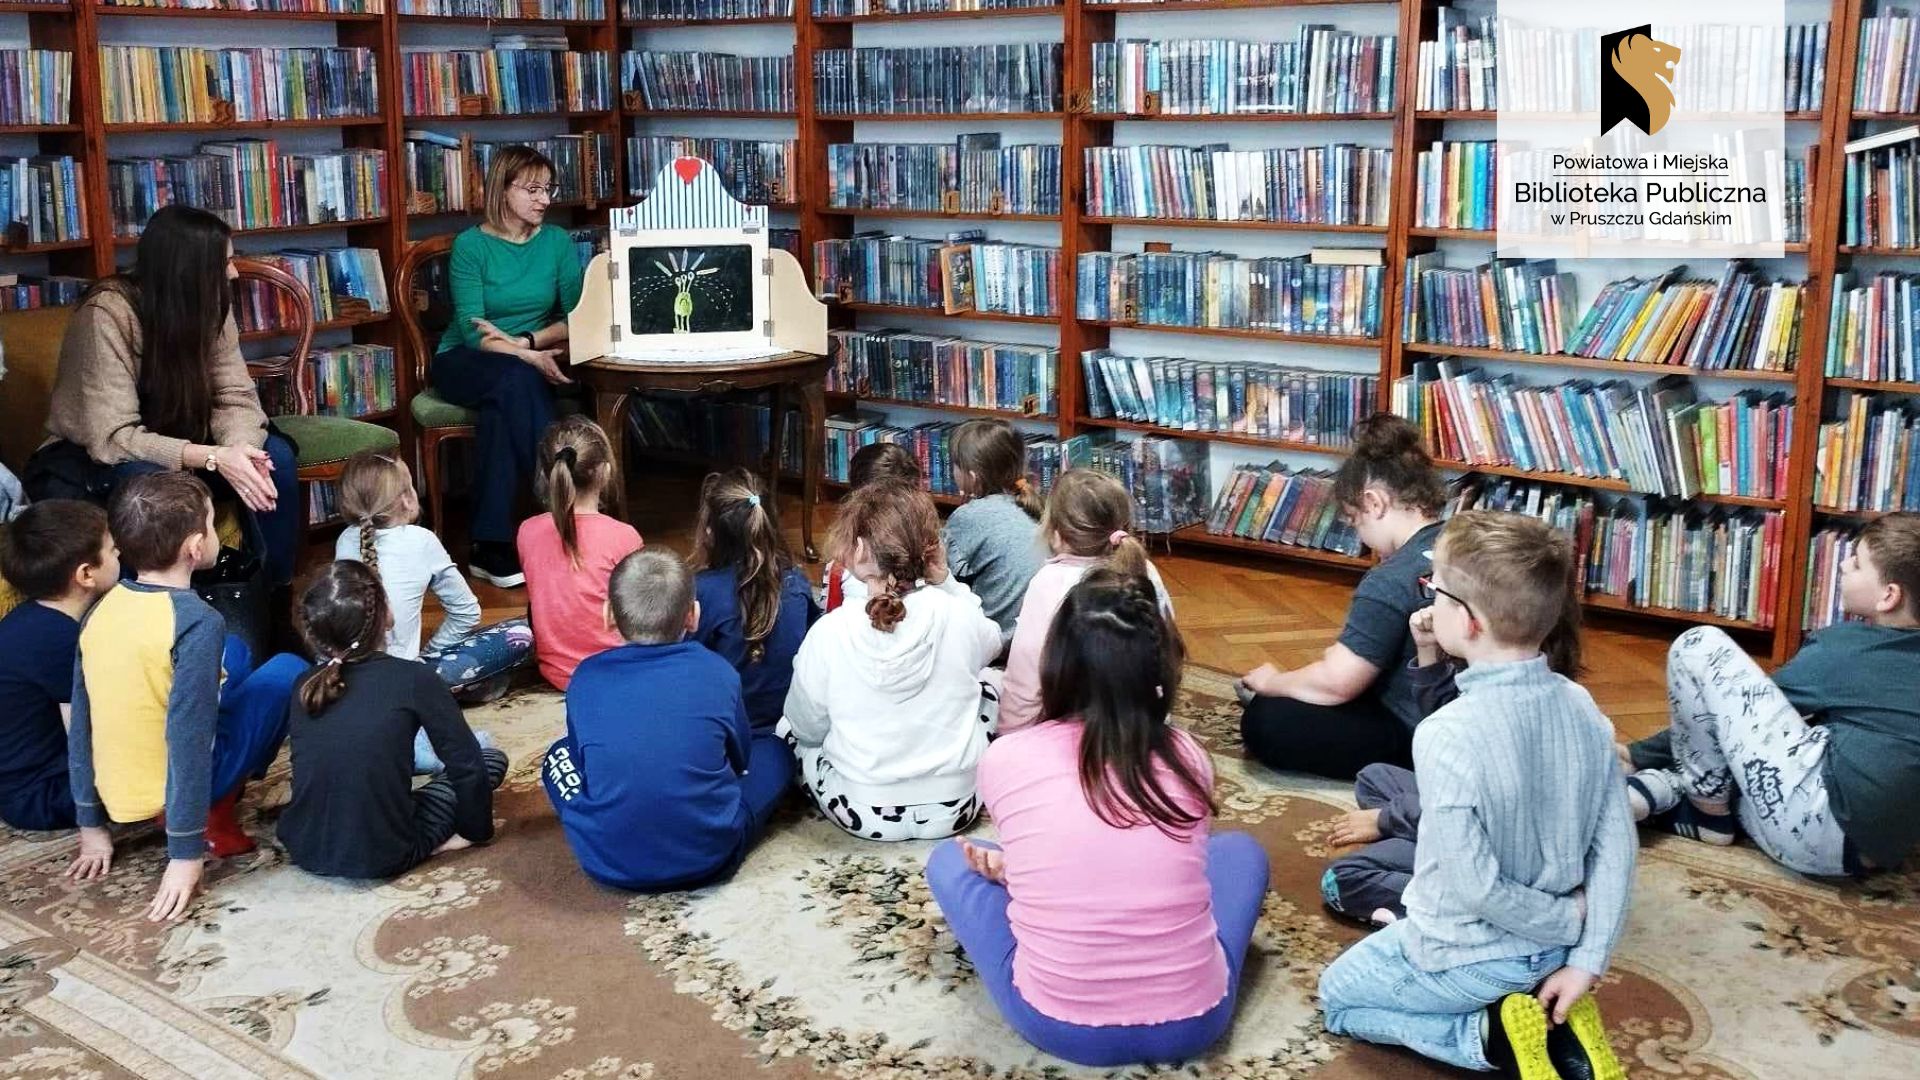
point(60, 556)
point(1524, 860)
point(155, 733)
point(660, 782)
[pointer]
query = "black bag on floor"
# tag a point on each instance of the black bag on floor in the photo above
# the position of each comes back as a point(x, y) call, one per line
point(240, 589)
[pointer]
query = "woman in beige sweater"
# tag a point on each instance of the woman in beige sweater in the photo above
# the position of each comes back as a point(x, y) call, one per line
point(151, 378)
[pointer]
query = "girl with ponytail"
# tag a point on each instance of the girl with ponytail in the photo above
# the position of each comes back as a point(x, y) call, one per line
point(1356, 706)
point(755, 606)
point(887, 712)
point(352, 725)
point(993, 541)
point(1088, 522)
point(1133, 921)
point(569, 552)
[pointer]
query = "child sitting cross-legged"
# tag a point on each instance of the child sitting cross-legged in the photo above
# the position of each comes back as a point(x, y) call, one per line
point(354, 811)
point(1821, 762)
point(60, 556)
point(872, 463)
point(887, 711)
point(1108, 927)
point(659, 782)
point(993, 540)
point(156, 730)
point(755, 606)
point(1524, 862)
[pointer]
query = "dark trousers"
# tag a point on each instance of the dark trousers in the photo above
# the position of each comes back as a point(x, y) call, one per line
point(253, 715)
point(515, 404)
point(435, 805)
point(44, 805)
point(1653, 752)
point(1376, 876)
point(1335, 741)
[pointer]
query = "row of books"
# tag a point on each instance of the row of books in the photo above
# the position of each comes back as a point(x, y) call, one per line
point(452, 171)
point(709, 81)
point(1324, 70)
point(757, 171)
point(1276, 504)
point(143, 84)
point(22, 292)
point(515, 76)
point(582, 164)
point(341, 7)
point(706, 10)
point(1887, 72)
point(1718, 77)
point(36, 86)
point(979, 174)
point(251, 184)
point(341, 282)
point(1456, 69)
point(1168, 479)
point(42, 200)
point(1339, 184)
point(1882, 186)
point(1657, 438)
point(505, 9)
point(1267, 400)
point(1873, 329)
point(915, 7)
point(1454, 185)
point(1829, 551)
point(1870, 459)
point(962, 273)
point(1742, 321)
point(1291, 294)
point(903, 365)
point(1020, 78)
point(348, 380)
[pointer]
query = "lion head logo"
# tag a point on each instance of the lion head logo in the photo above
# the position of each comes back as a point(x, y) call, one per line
point(1636, 77)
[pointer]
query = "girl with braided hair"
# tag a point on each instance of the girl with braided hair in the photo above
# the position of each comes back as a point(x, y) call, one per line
point(887, 712)
point(354, 812)
point(1133, 922)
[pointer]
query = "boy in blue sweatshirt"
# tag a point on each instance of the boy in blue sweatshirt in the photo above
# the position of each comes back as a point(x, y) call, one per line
point(659, 782)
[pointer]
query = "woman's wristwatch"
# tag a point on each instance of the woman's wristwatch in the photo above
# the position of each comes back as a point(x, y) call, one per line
point(212, 463)
point(529, 339)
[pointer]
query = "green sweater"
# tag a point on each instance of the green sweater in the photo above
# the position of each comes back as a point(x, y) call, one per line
point(517, 287)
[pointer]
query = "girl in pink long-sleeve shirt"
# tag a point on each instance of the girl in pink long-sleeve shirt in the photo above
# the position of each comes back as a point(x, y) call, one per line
point(1087, 520)
point(1108, 927)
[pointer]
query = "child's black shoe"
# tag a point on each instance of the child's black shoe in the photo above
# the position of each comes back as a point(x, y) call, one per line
point(1579, 1047)
point(1517, 1038)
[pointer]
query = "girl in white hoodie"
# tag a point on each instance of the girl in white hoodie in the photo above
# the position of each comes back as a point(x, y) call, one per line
point(887, 712)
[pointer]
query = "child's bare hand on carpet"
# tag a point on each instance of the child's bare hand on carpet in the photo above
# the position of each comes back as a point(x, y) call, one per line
point(177, 887)
point(96, 855)
point(989, 863)
point(1356, 827)
point(1562, 990)
point(456, 842)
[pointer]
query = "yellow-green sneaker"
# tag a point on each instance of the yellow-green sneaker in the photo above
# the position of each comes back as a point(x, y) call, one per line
point(1517, 1038)
point(1579, 1047)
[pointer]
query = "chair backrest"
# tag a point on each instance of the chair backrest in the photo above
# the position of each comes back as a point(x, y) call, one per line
point(422, 300)
point(294, 365)
point(32, 341)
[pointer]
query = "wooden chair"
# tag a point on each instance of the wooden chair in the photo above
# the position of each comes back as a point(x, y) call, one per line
point(324, 442)
point(422, 318)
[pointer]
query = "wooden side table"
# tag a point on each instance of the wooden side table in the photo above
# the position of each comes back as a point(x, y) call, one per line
point(615, 382)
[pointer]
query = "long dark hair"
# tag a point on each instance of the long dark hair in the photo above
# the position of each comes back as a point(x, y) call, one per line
point(343, 617)
point(737, 530)
point(179, 290)
point(1113, 662)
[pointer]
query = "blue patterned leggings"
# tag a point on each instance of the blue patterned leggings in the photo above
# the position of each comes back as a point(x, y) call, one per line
point(477, 669)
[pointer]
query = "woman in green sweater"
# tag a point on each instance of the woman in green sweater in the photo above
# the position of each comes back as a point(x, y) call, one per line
point(514, 279)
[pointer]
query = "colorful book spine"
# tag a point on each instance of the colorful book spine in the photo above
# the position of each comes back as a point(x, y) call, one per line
point(251, 184)
point(1167, 478)
point(945, 177)
point(705, 10)
point(24, 292)
point(755, 171)
point(1742, 321)
point(1456, 70)
point(1657, 438)
point(1275, 504)
point(1887, 71)
point(1870, 458)
point(42, 200)
point(1873, 328)
point(904, 271)
point(1512, 304)
point(1829, 551)
point(1323, 71)
point(1883, 197)
point(857, 8)
point(1267, 400)
point(1291, 295)
point(1020, 78)
point(593, 10)
point(36, 87)
point(342, 283)
point(901, 365)
point(348, 380)
point(337, 7)
point(1455, 185)
point(142, 84)
point(708, 81)
point(518, 75)
point(1341, 184)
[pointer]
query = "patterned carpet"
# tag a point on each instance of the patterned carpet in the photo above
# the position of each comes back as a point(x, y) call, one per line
point(826, 957)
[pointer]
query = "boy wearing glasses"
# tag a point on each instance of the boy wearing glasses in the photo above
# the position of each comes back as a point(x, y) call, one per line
point(1823, 759)
point(1524, 860)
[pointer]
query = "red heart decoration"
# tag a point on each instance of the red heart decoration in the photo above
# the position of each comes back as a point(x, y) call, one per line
point(688, 168)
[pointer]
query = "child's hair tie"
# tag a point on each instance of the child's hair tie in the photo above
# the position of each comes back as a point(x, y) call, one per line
point(1021, 485)
point(568, 455)
point(1114, 537)
point(334, 661)
point(753, 500)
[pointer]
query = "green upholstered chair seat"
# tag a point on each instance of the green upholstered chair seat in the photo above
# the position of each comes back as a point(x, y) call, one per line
point(326, 440)
point(430, 410)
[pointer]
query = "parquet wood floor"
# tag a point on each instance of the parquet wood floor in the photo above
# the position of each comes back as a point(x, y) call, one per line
point(1236, 613)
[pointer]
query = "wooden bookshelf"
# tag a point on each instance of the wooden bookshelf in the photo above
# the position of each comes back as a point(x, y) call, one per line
point(1198, 536)
point(1238, 118)
point(1588, 363)
point(1264, 442)
point(938, 16)
point(1253, 226)
point(1598, 483)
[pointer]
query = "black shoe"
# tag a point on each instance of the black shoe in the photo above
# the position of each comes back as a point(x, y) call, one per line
point(1517, 1038)
point(1579, 1047)
point(496, 564)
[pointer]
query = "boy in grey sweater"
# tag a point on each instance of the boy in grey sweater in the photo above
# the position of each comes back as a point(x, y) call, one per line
point(1524, 860)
